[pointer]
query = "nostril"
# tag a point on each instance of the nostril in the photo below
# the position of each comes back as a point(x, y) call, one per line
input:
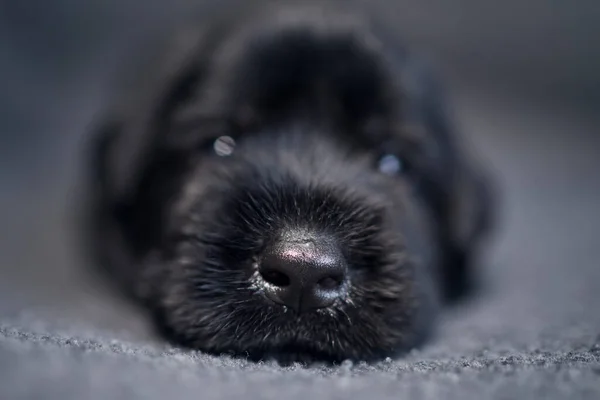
point(330, 282)
point(276, 278)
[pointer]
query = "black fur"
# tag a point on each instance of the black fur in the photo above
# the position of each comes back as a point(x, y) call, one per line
point(314, 98)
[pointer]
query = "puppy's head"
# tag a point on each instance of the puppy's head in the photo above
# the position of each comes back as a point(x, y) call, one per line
point(271, 197)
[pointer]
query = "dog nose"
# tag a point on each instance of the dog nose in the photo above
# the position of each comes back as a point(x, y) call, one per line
point(303, 273)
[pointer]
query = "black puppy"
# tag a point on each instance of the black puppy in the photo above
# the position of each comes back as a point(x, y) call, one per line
point(286, 184)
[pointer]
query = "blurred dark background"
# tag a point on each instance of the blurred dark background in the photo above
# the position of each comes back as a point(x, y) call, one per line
point(524, 80)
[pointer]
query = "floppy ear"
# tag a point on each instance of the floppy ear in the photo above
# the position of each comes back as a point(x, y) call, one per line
point(129, 130)
point(454, 187)
point(125, 139)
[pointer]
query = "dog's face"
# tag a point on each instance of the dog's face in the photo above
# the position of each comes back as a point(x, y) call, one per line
point(299, 243)
point(270, 200)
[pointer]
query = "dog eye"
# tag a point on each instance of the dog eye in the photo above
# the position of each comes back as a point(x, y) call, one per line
point(391, 164)
point(224, 146)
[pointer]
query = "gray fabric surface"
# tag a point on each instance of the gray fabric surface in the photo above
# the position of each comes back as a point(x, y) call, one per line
point(533, 333)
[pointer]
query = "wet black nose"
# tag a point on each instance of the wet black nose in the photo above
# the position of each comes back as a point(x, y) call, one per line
point(303, 272)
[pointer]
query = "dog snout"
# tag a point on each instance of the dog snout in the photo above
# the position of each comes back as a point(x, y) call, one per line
point(303, 272)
